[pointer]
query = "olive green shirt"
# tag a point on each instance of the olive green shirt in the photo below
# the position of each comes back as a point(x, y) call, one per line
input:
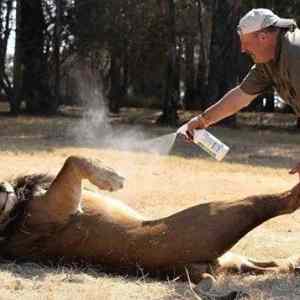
point(282, 73)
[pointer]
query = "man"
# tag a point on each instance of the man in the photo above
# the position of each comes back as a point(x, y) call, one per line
point(274, 45)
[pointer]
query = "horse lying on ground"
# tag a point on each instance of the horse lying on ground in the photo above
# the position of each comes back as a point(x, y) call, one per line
point(43, 219)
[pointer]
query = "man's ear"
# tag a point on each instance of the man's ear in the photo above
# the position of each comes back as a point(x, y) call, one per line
point(263, 36)
point(267, 36)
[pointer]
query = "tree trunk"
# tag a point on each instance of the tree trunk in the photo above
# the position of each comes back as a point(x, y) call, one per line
point(83, 26)
point(125, 73)
point(204, 39)
point(223, 73)
point(115, 93)
point(170, 98)
point(5, 29)
point(189, 97)
point(36, 90)
point(15, 105)
point(57, 43)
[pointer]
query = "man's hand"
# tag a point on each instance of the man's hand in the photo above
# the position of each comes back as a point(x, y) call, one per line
point(295, 170)
point(197, 122)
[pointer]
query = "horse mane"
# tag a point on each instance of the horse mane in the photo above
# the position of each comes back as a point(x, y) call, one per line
point(25, 188)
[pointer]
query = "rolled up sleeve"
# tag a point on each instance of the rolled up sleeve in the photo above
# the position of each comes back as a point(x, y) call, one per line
point(256, 81)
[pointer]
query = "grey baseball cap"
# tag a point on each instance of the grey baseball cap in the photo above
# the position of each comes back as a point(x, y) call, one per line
point(260, 18)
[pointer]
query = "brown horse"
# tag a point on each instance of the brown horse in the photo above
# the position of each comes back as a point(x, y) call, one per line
point(53, 219)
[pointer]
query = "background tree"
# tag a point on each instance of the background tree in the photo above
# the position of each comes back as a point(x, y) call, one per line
point(6, 7)
point(223, 70)
point(147, 53)
point(171, 86)
point(36, 91)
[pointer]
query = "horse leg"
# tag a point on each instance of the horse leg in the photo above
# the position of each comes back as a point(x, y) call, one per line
point(203, 274)
point(234, 263)
point(64, 194)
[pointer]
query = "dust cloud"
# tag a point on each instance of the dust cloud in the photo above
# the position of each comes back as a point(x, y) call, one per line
point(98, 128)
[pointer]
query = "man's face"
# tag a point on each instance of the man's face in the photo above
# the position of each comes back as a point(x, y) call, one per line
point(259, 45)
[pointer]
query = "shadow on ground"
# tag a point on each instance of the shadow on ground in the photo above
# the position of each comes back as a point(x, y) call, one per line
point(272, 148)
point(227, 287)
point(238, 287)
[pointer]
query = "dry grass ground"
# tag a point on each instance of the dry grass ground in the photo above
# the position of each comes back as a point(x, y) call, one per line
point(156, 185)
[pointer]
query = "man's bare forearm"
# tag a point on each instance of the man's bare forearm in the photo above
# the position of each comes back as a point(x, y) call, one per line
point(231, 103)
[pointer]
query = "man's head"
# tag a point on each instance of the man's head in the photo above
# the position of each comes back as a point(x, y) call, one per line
point(258, 31)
